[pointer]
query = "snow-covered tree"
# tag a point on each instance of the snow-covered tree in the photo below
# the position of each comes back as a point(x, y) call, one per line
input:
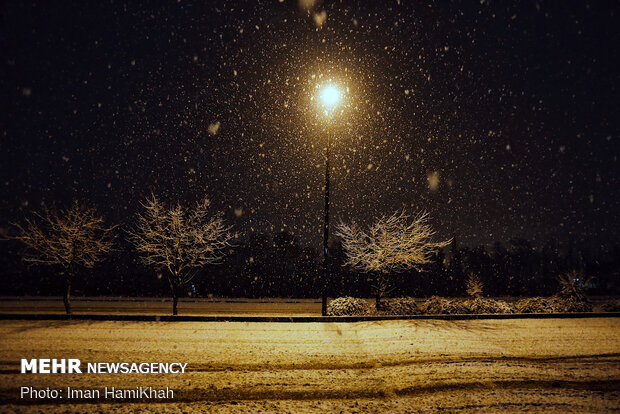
point(392, 244)
point(70, 238)
point(179, 240)
point(475, 287)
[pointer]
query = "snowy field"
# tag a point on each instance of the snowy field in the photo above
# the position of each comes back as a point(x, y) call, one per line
point(552, 365)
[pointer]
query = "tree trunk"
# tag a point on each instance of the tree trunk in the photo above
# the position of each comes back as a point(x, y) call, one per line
point(175, 298)
point(174, 289)
point(324, 304)
point(175, 301)
point(380, 288)
point(67, 294)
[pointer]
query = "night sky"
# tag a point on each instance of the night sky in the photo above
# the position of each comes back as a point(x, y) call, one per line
point(500, 120)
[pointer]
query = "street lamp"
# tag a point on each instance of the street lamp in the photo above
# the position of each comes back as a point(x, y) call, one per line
point(330, 97)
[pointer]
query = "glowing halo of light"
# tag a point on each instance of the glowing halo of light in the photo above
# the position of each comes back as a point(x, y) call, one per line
point(330, 96)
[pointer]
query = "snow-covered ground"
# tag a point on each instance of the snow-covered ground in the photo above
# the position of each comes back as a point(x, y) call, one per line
point(550, 365)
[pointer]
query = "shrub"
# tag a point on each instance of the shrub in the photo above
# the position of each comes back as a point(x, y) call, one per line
point(572, 297)
point(553, 304)
point(479, 305)
point(399, 306)
point(535, 305)
point(474, 286)
point(571, 304)
point(436, 306)
point(611, 306)
point(573, 285)
point(348, 306)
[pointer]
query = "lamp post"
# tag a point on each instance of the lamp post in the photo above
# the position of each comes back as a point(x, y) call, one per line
point(326, 231)
point(330, 97)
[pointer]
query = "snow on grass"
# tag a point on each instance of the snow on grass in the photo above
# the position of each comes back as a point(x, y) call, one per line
point(306, 367)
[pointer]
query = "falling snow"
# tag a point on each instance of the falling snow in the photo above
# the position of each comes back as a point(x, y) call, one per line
point(498, 118)
point(214, 127)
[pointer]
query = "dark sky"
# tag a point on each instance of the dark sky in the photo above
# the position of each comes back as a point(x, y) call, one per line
point(500, 120)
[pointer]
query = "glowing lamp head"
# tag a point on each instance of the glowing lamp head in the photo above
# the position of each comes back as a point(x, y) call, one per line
point(330, 96)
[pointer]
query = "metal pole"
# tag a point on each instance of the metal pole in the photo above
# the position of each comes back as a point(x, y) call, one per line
point(326, 231)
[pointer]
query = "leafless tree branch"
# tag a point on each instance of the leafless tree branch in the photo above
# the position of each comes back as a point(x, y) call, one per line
point(179, 240)
point(395, 243)
point(75, 236)
point(72, 237)
point(392, 244)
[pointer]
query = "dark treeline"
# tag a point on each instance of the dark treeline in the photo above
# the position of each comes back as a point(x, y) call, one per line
point(279, 266)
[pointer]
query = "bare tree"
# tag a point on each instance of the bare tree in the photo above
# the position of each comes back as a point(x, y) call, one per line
point(392, 244)
point(70, 238)
point(179, 240)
